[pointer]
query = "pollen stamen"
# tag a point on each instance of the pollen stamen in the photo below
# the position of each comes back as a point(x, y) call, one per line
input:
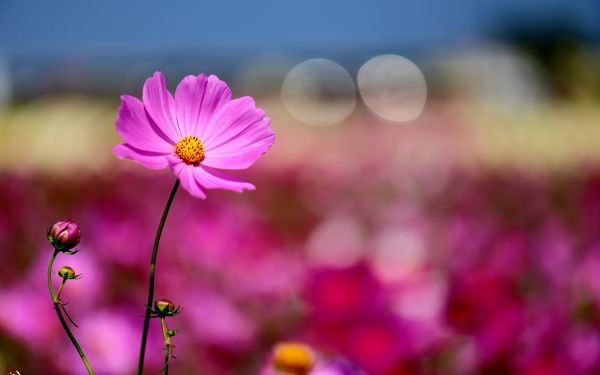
point(190, 150)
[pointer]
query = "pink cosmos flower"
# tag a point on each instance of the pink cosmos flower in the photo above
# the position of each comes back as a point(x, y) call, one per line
point(196, 134)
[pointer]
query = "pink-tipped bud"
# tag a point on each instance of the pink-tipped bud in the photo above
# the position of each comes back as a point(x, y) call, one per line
point(64, 235)
point(164, 306)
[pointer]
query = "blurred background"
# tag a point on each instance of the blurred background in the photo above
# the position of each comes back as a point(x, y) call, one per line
point(431, 204)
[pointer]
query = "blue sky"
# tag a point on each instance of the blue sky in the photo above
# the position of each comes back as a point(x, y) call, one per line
point(38, 29)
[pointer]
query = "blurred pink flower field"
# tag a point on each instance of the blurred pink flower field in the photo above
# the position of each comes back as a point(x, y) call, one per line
point(429, 203)
point(494, 272)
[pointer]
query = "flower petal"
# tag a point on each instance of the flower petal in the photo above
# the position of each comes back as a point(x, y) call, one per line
point(216, 95)
point(160, 106)
point(232, 119)
point(134, 127)
point(210, 178)
point(189, 96)
point(185, 173)
point(148, 159)
point(244, 150)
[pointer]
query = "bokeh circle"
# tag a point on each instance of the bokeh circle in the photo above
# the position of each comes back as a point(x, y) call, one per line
point(319, 92)
point(393, 87)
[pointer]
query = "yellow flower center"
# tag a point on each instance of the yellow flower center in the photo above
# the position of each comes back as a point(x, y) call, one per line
point(293, 358)
point(190, 150)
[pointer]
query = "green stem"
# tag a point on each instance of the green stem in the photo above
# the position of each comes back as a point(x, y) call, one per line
point(60, 289)
point(167, 339)
point(57, 302)
point(151, 283)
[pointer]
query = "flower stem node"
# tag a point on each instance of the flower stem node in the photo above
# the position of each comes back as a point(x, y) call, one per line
point(171, 332)
point(293, 358)
point(164, 308)
point(64, 235)
point(68, 273)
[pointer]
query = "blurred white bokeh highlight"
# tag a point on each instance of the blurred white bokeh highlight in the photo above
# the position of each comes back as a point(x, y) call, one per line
point(319, 92)
point(422, 300)
point(339, 241)
point(399, 254)
point(393, 87)
point(494, 76)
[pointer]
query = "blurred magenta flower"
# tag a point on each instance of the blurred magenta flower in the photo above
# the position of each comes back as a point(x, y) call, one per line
point(197, 133)
point(337, 366)
point(109, 335)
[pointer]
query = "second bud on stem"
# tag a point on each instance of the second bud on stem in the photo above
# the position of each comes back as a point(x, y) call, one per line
point(162, 309)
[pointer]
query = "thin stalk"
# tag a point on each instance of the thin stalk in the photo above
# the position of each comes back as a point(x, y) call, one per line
point(57, 302)
point(167, 339)
point(60, 289)
point(152, 271)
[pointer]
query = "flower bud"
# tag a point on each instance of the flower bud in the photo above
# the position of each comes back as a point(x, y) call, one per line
point(67, 272)
point(293, 358)
point(164, 307)
point(171, 332)
point(64, 235)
